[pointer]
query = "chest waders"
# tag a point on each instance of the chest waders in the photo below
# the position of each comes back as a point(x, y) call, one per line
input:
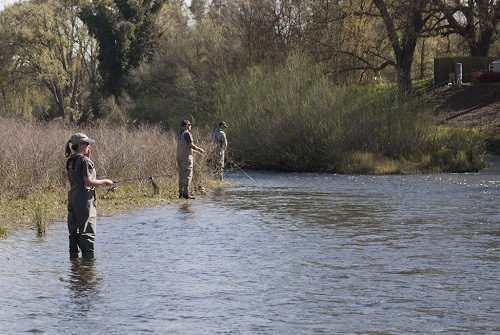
point(219, 138)
point(184, 164)
point(82, 213)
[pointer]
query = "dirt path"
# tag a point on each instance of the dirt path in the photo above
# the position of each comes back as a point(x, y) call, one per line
point(470, 106)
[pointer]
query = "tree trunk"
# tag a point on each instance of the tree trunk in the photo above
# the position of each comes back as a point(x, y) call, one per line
point(58, 96)
point(481, 47)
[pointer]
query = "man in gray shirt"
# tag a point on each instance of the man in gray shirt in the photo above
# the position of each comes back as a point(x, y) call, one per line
point(220, 139)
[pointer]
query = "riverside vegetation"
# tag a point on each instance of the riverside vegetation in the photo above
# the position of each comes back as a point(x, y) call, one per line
point(293, 119)
point(296, 89)
point(34, 182)
point(368, 133)
point(290, 119)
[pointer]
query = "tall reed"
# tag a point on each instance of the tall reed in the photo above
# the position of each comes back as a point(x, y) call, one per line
point(32, 164)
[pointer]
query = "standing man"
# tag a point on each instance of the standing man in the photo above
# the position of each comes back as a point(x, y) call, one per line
point(185, 148)
point(220, 140)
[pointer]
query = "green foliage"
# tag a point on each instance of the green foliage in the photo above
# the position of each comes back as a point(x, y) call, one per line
point(126, 35)
point(293, 119)
point(179, 82)
point(46, 60)
point(457, 150)
point(160, 66)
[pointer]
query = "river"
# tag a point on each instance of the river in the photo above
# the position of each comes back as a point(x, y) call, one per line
point(279, 253)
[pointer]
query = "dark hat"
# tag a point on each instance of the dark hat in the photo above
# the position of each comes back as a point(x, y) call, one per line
point(222, 124)
point(185, 123)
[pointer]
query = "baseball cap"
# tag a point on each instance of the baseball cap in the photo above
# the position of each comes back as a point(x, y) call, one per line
point(80, 138)
point(185, 123)
point(222, 124)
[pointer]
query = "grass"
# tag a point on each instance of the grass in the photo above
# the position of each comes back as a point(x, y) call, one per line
point(34, 184)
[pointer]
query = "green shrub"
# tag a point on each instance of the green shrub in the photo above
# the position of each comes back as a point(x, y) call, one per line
point(457, 150)
point(293, 119)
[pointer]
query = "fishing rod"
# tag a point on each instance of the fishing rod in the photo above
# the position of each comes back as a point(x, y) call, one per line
point(156, 189)
point(239, 168)
point(131, 179)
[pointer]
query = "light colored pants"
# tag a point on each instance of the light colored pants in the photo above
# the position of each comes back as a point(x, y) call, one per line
point(185, 167)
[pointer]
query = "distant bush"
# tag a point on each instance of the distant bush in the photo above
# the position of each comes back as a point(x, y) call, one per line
point(457, 150)
point(486, 77)
point(293, 118)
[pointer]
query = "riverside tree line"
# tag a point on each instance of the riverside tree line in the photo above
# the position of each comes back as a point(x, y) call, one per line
point(305, 85)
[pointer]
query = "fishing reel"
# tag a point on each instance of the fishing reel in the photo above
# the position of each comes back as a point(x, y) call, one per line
point(112, 189)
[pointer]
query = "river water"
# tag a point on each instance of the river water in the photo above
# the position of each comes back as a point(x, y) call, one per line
point(277, 254)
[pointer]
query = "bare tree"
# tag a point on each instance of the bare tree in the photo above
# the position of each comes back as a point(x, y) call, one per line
point(404, 21)
point(476, 21)
point(47, 44)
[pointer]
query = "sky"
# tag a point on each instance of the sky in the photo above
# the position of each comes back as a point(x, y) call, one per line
point(4, 3)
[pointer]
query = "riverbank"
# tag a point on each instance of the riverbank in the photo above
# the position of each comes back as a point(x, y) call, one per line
point(34, 188)
point(40, 209)
point(471, 106)
point(34, 183)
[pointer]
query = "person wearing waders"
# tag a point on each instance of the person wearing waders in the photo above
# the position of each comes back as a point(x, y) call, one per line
point(220, 140)
point(185, 149)
point(82, 213)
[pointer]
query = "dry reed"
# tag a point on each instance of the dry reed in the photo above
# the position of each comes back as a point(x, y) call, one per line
point(32, 166)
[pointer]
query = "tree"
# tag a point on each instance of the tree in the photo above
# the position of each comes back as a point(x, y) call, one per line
point(404, 22)
point(347, 40)
point(47, 45)
point(476, 21)
point(182, 75)
point(126, 34)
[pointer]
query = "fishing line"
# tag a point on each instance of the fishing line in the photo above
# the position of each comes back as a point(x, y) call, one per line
point(239, 168)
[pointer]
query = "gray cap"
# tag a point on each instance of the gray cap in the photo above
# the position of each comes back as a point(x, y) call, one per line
point(80, 138)
point(185, 123)
point(222, 124)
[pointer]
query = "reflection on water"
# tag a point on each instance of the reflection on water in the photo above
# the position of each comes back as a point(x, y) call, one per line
point(278, 254)
point(83, 280)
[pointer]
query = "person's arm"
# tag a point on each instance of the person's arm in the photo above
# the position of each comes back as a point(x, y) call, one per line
point(224, 142)
point(87, 171)
point(91, 182)
point(196, 148)
point(189, 139)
